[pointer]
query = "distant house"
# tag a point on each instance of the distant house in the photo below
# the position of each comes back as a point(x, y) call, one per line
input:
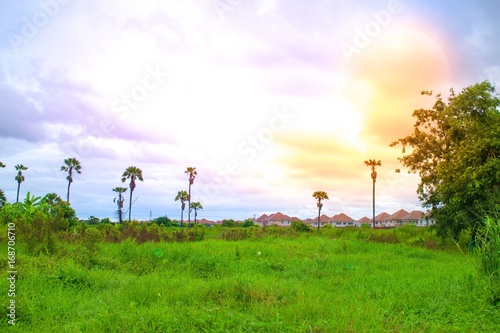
point(341, 221)
point(364, 220)
point(396, 219)
point(380, 220)
point(262, 220)
point(204, 221)
point(309, 221)
point(323, 220)
point(274, 219)
point(418, 218)
point(280, 219)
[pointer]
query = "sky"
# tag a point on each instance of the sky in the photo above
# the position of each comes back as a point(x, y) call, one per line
point(270, 100)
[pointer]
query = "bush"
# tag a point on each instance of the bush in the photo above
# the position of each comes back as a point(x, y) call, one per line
point(301, 226)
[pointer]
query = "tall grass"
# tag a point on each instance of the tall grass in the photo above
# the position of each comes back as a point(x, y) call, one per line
point(312, 282)
point(488, 250)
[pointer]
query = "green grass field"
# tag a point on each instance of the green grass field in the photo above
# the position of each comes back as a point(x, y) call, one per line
point(334, 281)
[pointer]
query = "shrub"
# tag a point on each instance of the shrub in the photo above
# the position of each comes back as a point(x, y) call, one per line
point(301, 226)
point(488, 250)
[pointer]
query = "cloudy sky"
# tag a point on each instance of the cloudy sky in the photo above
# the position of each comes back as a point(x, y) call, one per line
point(270, 100)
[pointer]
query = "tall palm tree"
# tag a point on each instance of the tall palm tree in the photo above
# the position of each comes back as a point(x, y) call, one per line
point(196, 206)
point(71, 164)
point(120, 201)
point(191, 171)
point(19, 178)
point(320, 195)
point(183, 197)
point(131, 173)
point(373, 164)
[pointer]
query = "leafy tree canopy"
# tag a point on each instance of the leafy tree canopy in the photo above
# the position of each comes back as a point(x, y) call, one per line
point(455, 149)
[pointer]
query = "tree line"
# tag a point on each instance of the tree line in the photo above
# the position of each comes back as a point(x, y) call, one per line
point(132, 173)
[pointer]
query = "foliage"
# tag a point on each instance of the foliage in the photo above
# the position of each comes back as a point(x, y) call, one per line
point(247, 223)
point(455, 148)
point(3, 199)
point(163, 220)
point(301, 226)
point(229, 223)
point(39, 221)
point(93, 220)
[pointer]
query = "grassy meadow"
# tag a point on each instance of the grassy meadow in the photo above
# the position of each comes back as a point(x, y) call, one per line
point(253, 280)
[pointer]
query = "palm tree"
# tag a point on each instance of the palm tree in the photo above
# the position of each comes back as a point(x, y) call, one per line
point(191, 171)
point(131, 173)
point(196, 206)
point(373, 164)
point(183, 197)
point(71, 164)
point(120, 201)
point(19, 178)
point(320, 195)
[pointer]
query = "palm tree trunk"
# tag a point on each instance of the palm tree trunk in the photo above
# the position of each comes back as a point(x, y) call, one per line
point(120, 212)
point(189, 205)
point(67, 197)
point(130, 206)
point(18, 189)
point(319, 212)
point(195, 214)
point(373, 203)
point(182, 215)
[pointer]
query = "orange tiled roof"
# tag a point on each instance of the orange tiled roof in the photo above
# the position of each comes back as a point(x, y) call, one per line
point(365, 220)
point(382, 216)
point(397, 215)
point(279, 217)
point(262, 218)
point(342, 218)
point(415, 215)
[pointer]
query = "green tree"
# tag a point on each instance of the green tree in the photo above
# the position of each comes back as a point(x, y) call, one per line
point(320, 195)
point(191, 171)
point(119, 201)
point(70, 165)
point(133, 173)
point(373, 164)
point(182, 196)
point(229, 223)
point(93, 220)
point(163, 220)
point(455, 149)
point(19, 178)
point(196, 206)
